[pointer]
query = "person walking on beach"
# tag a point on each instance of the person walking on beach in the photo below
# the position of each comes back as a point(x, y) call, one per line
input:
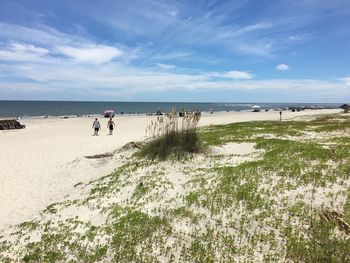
point(110, 125)
point(96, 126)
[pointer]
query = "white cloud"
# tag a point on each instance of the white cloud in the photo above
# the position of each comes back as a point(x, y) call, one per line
point(252, 28)
point(238, 75)
point(283, 67)
point(96, 54)
point(73, 46)
point(187, 27)
point(232, 74)
point(172, 55)
point(296, 37)
point(43, 36)
point(165, 66)
point(26, 48)
point(114, 81)
point(23, 52)
point(346, 80)
point(173, 13)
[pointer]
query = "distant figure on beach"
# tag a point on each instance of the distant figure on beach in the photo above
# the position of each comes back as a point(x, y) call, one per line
point(96, 126)
point(110, 125)
point(280, 115)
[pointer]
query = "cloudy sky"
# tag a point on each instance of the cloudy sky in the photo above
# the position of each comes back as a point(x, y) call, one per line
point(159, 50)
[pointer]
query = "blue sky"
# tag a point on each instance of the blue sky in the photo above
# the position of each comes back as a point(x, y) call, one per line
point(158, 50)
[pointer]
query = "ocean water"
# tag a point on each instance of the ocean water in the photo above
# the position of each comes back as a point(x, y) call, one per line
point(67, 108)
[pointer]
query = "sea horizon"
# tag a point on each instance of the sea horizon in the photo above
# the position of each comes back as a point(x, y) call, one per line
point(32, 108)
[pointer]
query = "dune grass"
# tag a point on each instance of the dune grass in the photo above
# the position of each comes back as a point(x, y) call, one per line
point(174, 145)
point(173, 137)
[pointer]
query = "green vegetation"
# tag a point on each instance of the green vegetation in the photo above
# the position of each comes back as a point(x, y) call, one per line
point(173, 137)
point(249, 131)
point(318, 243)
point(134, 233)
point(175, 145)
point(265, 206)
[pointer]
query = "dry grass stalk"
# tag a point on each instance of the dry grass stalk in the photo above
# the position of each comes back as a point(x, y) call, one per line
point(171, 122)
point(334, 216)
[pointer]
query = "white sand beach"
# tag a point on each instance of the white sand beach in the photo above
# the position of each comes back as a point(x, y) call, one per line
point(42, 163)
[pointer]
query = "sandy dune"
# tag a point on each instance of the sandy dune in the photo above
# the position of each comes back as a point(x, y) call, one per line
point(41, 164)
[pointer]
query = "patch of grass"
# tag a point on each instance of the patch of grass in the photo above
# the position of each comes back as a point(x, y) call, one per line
point(58, 241)
point(4, 246)
point(244, 131)
point(111, 182)
point(175, 145)
point(347, 206)
point(97, 254)
point(210, 245)
point(134, 232)
point(238, 184)
point(141, 189)
point(47, 250)
point(319, 243)
point(193, 198)
point(202, 249)
point(184, 212)
point(343, 140)
point(247, 131)
point(100, 156)
point(234, 185)
point(77, 184)
point(28, 226)
point(304, 161)
point(51, 209)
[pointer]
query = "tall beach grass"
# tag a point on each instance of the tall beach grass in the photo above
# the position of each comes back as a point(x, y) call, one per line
point(173, 136)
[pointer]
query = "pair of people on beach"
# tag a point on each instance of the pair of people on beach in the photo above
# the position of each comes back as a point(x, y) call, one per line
point(97, 126)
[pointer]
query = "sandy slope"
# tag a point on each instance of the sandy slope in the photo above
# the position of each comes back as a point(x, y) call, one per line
point(41, 164)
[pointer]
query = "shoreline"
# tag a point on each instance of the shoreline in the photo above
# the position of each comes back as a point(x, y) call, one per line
point(46, 160)
point(117, 114)
point(29, 109)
